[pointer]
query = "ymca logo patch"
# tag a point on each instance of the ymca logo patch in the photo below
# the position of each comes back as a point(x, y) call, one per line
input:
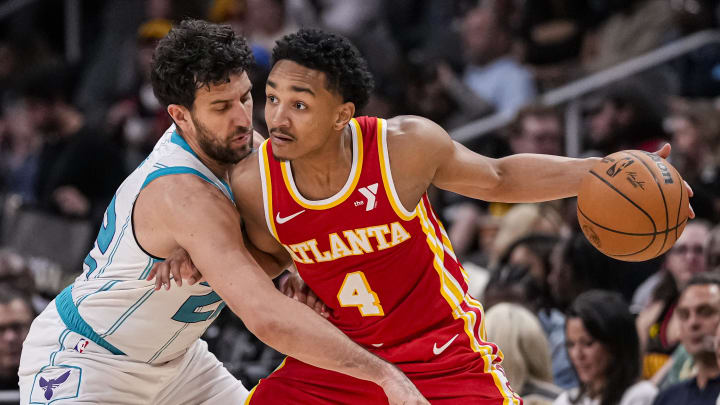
point(369, 193)
point(54, 383)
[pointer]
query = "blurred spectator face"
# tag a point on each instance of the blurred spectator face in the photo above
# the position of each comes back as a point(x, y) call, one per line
point(483, 39)
point(266, 16)
point(15, 320)
point(43, 116)
point(606, 121)
point(685, 137)
point(688, 256)
point(713, 256)
point(560, 279)
point(699, 313)
point(524, 256)
point(539, 134)
point(589, 357)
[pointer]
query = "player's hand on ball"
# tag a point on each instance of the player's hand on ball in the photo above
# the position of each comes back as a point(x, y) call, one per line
point(664, 152)
point(294, 287)
point(179, 265)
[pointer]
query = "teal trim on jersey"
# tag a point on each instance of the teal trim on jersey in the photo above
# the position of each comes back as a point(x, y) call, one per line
point(115, 248)
point(129, 312)
point(105, 287)
point(162, 349)
point(72, 319)
point(149, 267)
point(61, 338)
point(175, 170)
point(180, 141)
point(229, 190)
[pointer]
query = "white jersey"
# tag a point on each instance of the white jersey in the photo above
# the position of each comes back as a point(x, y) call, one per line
point(111, 303)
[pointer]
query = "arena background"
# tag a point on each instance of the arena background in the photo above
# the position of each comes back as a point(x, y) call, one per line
point(566, 77)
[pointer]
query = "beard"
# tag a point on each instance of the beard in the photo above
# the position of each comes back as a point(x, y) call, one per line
point(221, 150)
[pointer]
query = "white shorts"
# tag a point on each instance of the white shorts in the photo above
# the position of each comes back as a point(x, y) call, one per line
point(60, 366)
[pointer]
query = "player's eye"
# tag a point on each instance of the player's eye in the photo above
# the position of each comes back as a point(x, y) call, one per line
point(300, 106)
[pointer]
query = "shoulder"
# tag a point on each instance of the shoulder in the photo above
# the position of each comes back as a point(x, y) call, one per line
point(181, 190)
point(417, 134)
point(564, 398)
point(641, 392)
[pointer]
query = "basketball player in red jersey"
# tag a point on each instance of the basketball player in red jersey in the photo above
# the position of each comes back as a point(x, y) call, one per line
point(345, 199)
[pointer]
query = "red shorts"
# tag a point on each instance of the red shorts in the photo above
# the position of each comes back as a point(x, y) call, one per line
point(459, 375)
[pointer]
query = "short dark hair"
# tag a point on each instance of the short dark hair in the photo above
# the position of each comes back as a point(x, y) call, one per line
point(608, 320)
point(194, 54)
point(704, 278)
point(332, 54)
point(8, 294)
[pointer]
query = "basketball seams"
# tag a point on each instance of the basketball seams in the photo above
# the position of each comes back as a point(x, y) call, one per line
point(652, 221)
point(662, 194)
point(628, 233)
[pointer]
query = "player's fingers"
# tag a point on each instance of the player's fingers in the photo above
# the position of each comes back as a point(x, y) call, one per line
point(165, 275)
point(689, 189)
point(158, 281)
point(177, 273)
point(196, 276)
point(318, 307)
point(691, 214)
point(153, 271)
point(324, 311)
point(300, 296)
point(664, 152)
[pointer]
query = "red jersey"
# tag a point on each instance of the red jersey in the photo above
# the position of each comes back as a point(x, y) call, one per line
point(389, 275)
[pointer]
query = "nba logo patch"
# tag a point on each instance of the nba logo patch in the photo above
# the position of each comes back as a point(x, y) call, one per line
point(81, 345)
point(54, 383)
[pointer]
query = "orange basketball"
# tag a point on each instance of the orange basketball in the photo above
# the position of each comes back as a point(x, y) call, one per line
point(632, 205)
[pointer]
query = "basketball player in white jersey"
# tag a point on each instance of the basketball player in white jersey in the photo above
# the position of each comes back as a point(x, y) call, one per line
point(110, 337)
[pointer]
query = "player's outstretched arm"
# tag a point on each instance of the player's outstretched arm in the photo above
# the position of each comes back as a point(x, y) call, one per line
point(451, 166)
point(201, 220)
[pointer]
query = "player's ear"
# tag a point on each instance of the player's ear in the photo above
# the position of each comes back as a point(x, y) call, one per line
point(345, 112)
point(181, 116)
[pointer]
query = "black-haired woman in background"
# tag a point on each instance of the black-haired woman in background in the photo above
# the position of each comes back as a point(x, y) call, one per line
point(604, 350)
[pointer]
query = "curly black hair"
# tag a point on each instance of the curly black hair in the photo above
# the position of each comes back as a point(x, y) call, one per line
point(332, 54)
point(194, 54)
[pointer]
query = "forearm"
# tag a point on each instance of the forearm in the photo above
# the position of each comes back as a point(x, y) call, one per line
point(535, 178)
point(294, 329)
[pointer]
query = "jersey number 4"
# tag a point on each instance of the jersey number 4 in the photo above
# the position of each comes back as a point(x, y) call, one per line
point(356, 292)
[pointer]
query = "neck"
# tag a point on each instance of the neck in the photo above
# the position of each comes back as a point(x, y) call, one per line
point(324, 172)
point(707, 370)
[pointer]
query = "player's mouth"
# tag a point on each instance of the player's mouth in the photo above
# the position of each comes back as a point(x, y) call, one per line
point(280, 138)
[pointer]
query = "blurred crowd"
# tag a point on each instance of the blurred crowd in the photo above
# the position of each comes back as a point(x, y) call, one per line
point(574, 325)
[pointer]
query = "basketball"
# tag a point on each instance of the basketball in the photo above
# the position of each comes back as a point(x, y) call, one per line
point(632, 205)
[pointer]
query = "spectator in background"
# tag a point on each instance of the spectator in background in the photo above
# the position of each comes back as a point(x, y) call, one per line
point(695, 127)
point(537, 129)
point(698, 311)
point(604, 349)
point(16, 315)
point(19, 151)
point(526, 359)
point(79, 169)
point(657, 325)
point(628, 117)
point(713, 250)
point(636, 27)
point(136, 117)
point(491, 71)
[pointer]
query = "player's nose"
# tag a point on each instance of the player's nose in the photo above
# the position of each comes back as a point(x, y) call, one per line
point(276, 116)
point(242, 115)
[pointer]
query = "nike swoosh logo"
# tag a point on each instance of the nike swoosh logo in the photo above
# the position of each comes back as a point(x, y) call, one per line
point(377, 344)
point(282, 220)
point(438, 350)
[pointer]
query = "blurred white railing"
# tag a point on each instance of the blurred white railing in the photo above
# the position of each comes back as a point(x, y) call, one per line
point(570, 93)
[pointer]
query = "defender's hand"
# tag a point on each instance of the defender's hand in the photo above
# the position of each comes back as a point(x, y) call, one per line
point(294, 287)
point(401, 391)
point(179, 265)
point(664, 152)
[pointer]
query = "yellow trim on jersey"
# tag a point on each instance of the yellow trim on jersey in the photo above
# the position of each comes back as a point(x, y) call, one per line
point(387, 174)
point(252, 391)
point(266, 181)
point(348, 188)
